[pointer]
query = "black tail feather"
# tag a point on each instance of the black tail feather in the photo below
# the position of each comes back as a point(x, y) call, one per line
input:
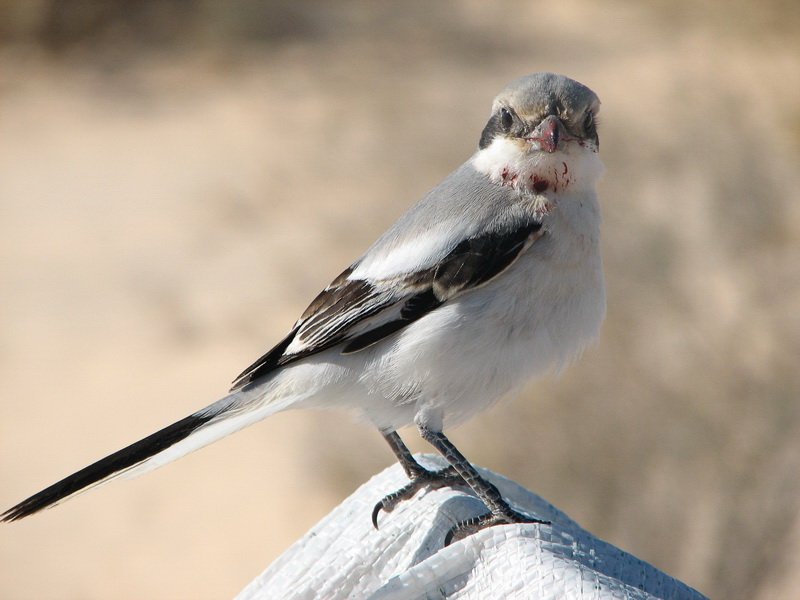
point(105, 467)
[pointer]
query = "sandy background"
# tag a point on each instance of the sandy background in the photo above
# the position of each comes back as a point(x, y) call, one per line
point(178, 179)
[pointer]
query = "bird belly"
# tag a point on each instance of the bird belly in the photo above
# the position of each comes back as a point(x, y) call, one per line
point(463, 357)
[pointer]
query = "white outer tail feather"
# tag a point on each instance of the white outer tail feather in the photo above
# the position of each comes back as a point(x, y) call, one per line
point(228, 415)
point(229, 419)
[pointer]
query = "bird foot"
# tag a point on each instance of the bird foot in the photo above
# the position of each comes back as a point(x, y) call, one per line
point(447, 477)
point(467, 527)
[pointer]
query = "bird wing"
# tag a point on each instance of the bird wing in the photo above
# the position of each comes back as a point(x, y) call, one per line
point(359, 312)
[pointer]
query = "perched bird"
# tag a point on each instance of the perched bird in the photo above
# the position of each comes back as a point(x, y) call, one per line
point(493, 278)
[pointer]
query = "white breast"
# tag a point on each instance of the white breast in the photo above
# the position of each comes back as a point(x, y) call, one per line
point(534, 318)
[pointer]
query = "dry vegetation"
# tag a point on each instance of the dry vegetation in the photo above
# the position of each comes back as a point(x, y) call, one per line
point(177, 181)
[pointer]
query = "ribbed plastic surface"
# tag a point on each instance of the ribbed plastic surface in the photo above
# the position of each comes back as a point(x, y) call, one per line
point(344, 557)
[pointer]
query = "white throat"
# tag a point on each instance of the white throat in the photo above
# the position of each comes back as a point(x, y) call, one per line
point(576, 168)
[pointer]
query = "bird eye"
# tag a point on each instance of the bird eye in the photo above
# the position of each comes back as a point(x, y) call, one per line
point(506, 120)
point(588, 121)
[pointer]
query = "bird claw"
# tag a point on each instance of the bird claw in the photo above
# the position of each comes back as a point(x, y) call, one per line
point(446, 477)
point(467, 527)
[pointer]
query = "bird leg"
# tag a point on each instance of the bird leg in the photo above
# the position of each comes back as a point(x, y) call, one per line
point(500, 513)
point(420, 477)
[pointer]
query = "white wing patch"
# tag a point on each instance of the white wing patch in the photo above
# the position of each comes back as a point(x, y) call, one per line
point(407, 257)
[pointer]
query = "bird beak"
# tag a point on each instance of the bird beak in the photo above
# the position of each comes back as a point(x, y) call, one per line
point(548, 134)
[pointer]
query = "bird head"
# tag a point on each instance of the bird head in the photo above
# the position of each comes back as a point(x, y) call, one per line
point(541, 126)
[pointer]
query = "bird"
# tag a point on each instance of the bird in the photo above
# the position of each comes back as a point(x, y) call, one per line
point(492, 279)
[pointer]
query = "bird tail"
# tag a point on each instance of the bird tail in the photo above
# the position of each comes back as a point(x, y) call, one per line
point(234, 412)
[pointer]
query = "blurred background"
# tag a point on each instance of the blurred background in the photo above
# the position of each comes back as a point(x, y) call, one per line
point(179, 178)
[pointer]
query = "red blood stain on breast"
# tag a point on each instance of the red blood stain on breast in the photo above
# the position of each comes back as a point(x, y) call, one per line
point(539, 184)
point(508, 176)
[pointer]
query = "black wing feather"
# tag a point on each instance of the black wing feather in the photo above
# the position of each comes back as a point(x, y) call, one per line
point(337, 312)
point(265, 363)
point(415, 307)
